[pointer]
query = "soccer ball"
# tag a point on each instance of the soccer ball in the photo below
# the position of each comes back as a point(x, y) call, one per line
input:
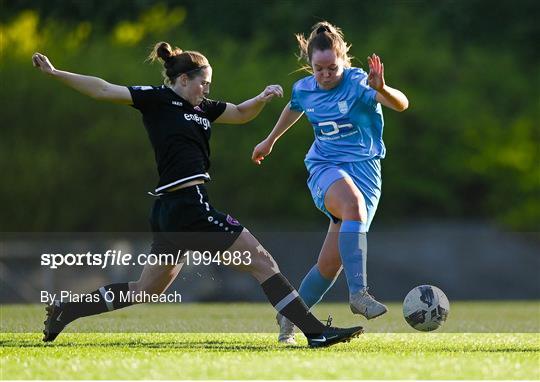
point(426, 308)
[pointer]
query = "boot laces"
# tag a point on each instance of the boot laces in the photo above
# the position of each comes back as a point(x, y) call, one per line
point(329, 321)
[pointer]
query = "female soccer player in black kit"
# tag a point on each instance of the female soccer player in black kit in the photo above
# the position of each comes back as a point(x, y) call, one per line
point(177, 117)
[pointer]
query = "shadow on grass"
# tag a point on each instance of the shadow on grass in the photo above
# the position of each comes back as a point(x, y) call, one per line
point(241, 345)
point(193, 345)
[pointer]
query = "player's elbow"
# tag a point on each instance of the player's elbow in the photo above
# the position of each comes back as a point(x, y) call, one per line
point(243, 116)
point(403, 106)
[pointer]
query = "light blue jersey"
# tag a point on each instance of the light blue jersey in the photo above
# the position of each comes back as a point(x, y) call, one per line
point(348, 125)
point(347, 120)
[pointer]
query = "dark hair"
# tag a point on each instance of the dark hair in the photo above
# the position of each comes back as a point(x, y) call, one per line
point(177, 62)
point(323, 36)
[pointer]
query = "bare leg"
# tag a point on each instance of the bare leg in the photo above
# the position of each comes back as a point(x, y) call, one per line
point(155, 279)
point(345, 201)
point(317, 281)
point(329, 262)
point(262, 265)
point(277, 288)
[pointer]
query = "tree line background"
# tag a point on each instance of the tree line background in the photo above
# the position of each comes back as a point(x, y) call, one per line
point(467, 148)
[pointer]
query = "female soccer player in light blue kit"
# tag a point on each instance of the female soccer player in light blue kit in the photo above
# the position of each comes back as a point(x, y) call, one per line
point(343, 104)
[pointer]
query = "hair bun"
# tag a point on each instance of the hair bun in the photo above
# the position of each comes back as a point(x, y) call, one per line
point(164, 51)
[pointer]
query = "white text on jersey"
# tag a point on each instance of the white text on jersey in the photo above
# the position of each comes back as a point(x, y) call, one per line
point(335, 127)
point(204, 122)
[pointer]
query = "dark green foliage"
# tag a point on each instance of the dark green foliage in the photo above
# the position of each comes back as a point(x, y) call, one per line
point(468, 147)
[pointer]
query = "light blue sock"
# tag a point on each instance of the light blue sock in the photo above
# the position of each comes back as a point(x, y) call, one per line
point(353, 252)
point(314, 286)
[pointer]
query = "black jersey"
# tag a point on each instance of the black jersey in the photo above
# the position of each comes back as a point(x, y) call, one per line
point(178, 131)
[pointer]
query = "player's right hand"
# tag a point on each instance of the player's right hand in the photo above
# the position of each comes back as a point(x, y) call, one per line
point(376, 72)
point(41, 62)
point(261, 150)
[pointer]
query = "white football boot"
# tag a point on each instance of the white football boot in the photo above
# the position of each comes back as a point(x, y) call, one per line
point(286, 330)
point(363, 303)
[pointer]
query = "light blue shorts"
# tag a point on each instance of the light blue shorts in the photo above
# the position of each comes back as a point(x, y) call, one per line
point(366, 175)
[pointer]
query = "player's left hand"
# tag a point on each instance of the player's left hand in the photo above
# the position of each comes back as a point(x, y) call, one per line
point(262, 150)
point(270, 92)
point(376, 72)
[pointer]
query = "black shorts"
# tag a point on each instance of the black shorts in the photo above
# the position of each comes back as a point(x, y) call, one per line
point(185, 220)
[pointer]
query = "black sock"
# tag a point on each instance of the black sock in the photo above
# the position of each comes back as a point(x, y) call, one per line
point(287, 301)
point(107, 298)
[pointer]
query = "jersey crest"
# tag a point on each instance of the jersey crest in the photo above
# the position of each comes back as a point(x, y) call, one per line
point(343, 107)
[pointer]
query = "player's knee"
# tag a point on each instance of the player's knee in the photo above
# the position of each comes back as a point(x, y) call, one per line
point(354, 209)
point(260, 261)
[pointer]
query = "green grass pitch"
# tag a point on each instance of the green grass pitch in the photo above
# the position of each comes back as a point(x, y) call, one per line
point(492, 340)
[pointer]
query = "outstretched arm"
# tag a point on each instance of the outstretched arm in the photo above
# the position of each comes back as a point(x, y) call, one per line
point(287, 118)
point(247, 110)
point(91, 86)
point(389, 97)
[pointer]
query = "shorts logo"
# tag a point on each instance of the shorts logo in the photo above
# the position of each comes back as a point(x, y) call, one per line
point(319, 192)
point(343, 107)
point(232, 221)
